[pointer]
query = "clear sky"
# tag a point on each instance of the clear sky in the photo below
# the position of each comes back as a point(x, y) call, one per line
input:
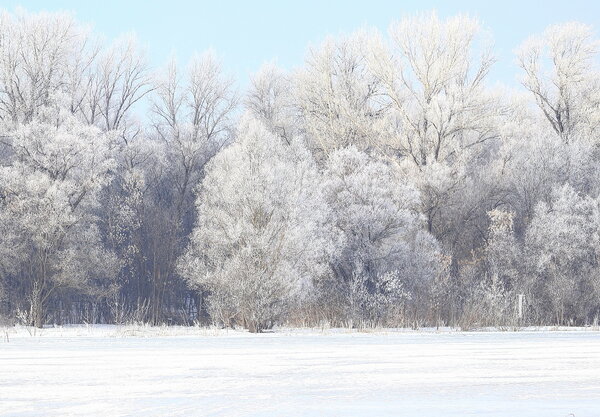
point(245, 34)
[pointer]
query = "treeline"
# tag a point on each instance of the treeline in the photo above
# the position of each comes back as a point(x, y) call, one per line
point(386, 182)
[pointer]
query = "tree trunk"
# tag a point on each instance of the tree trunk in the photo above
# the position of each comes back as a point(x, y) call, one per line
point(36, 308)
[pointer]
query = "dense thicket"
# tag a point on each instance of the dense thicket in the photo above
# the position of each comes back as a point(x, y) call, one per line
point(385, 182)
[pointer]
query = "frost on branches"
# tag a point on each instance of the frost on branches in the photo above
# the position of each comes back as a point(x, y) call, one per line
point(263, 230)
point(49, 199)
point(387, 258)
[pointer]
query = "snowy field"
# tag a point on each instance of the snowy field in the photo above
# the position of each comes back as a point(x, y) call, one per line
point(111, 371)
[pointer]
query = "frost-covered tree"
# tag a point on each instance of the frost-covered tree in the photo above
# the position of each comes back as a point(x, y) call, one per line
point(41, 58)
point(502, 250)
point(433, 73)
point(112, 84)
point(340, 99)
point(559, 72)
point(495, 277)
point(192, 118)
point(387, 256)
point(563, 242)
point(435, 82)
point(49, 190)
point(270, 100)
point(532, 160)
point(263, 231)
point(47, 63)
point(127, 218)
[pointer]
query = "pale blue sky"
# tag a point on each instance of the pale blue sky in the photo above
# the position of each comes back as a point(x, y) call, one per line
point(247, 33)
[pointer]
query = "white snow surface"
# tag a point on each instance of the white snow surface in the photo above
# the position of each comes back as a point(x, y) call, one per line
point(140, 371)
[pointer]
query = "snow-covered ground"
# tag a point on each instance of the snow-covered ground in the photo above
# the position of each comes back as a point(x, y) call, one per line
point(110, 371)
